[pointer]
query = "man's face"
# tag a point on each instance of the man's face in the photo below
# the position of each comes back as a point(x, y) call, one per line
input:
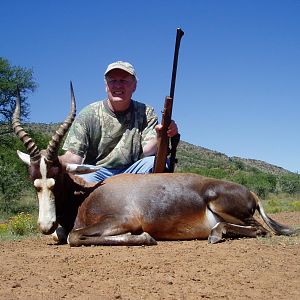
point(120, 86)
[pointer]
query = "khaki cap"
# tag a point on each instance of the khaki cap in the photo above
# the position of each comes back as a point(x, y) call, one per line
point(121, 65)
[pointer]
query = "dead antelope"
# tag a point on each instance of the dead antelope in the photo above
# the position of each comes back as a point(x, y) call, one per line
point(132, 209)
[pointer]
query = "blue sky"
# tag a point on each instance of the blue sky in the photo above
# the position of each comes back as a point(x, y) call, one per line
point(238, 80)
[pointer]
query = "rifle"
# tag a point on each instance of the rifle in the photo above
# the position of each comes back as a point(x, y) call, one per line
point(163, 149)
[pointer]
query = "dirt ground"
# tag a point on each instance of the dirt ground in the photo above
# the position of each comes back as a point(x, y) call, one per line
point(235, 269)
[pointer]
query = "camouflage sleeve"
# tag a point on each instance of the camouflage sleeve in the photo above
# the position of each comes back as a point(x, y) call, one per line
point(149, 132)
point(77, 140)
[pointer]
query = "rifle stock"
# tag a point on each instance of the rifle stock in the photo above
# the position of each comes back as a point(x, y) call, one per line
point(163, 140)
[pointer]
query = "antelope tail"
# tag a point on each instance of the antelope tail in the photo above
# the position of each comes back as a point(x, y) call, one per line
point(278, 228)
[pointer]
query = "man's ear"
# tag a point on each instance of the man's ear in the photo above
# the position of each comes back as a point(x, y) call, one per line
point(24, 157)
point(135, 84)
point(81, 169)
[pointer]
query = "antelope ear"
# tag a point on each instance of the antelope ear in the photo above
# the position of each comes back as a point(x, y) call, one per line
point(24, 157)
point(81, 169)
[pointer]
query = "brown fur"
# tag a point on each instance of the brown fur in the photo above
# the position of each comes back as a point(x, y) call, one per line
point(167, 207)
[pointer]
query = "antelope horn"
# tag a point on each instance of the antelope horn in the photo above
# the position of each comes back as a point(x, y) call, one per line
point(53, 146)
point(31, 147)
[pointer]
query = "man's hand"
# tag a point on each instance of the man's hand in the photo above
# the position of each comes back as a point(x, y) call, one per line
point(172, 130)
point(70, 158)
point(151, 147)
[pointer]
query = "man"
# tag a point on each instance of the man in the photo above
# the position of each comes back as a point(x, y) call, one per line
point(118, 134)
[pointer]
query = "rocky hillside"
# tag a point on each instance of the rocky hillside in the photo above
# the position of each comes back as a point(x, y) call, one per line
point(191, 156)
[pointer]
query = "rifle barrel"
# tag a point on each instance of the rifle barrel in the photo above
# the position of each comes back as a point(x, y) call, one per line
point(179, 35)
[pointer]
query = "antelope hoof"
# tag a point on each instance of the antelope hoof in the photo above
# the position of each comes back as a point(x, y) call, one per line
point(60, 235)
point(213, 239)
point(149, 240)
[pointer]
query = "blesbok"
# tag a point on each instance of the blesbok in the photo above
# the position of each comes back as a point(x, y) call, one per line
point(131, 209)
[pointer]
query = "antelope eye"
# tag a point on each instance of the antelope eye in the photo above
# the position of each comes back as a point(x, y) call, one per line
point(38, 189)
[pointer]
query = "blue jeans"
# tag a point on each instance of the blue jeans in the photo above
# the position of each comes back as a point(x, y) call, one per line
point(142, 166)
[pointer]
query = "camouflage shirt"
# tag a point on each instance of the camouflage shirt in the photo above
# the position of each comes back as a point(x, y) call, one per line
point(108, 139)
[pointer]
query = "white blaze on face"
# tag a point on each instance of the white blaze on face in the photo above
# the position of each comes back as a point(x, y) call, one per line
point(44, 187)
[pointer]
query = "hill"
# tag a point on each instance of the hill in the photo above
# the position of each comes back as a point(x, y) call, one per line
point(191, 156)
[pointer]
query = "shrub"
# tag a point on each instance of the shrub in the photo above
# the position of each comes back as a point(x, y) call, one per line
point(209, 172)
point(13, 176)
point(260, 183)
point(289, 183)
point(22, 224)
point(282, 202)
point(3, 228)
point(295, 205)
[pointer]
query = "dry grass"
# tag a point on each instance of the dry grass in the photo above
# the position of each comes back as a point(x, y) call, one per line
point(281, 240)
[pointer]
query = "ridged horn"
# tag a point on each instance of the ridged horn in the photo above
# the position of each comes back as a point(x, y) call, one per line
point(53, 146)
point(31, 147)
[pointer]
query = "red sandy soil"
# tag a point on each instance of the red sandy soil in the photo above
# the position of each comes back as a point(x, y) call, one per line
point(264, 268)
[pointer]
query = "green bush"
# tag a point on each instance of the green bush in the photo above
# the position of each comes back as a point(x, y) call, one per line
point(289, 183)
point(22, 224)
point(281, 202)
point(14, 180)
point(3, 229)
point(209, 172)
point(295, 205)
point(11, 186)
point(257, 181)
point(260, 183)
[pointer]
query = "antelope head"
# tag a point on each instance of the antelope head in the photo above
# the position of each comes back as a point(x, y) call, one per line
point(45, 169)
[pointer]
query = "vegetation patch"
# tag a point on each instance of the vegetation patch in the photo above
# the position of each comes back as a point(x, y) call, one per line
point(281, 203)
point(20, 225)
point(282, 240)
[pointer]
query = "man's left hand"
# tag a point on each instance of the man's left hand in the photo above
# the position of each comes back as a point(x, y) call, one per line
point(172, 130)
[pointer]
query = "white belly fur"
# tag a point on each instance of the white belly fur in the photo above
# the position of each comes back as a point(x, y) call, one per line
point(210, 219)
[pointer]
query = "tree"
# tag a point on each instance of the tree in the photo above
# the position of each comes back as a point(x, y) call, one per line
point(10, 78)
point(290, 183)
point(13, 175)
